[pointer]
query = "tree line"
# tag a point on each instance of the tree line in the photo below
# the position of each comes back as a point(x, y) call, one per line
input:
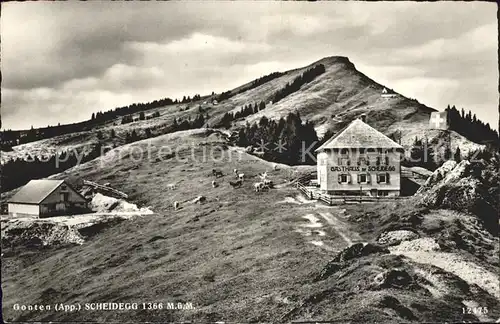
point(178, 124)
point(254, 84)
point(422, 154)
point(142, 116)
point(285, 141)
point(245, 111)
point(260, 81)
point(134, 108)
point(17, 172)
point(295, 85)
point(11, 138)
point(468, 125)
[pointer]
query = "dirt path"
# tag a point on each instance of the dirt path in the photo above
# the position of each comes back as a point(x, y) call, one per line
point(467, 270)
point(318, 214)
point(341, 228)
point(330, 219)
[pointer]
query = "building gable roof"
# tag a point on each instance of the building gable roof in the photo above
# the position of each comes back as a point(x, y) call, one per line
point(359, 135)
point(387, 91)
point(35, 191)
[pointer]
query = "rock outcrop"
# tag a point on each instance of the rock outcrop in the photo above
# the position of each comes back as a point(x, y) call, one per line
point(393, 278)
point(424, 244)
point(466, 186)
point(104, 204)
point(396, 237)
point(38, 233)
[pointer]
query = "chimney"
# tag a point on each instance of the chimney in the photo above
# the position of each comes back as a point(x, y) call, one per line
point(363, 118)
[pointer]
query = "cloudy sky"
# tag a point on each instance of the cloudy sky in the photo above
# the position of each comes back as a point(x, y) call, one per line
point(61, 61)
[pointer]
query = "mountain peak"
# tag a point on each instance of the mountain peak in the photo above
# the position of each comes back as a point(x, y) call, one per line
point(329, 60)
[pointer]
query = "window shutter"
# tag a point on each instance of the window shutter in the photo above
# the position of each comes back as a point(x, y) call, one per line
point(386, 160)
point(359, 178)
point(349, 178)
point(387, 177)
point(378, 178)
point(368, 178)
point(339, 178)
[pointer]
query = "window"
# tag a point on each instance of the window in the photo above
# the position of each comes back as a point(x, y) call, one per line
point(363, 178)
point(65, 196)
point(344, 178)
point(383, 178)
point(64, 187)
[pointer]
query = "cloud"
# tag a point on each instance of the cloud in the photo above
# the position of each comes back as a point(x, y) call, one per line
point(198, 42)
point(480, 40)
point(76, 58)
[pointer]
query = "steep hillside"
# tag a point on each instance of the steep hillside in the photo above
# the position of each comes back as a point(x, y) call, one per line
point(335, 98)
point(330, 101)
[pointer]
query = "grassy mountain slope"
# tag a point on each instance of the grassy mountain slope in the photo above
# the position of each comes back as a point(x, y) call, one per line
point(331, 101)
point(336, 97)
point(248, 256)
point(240, 256)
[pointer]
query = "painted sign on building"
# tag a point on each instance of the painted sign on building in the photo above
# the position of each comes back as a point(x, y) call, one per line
point(360, 160)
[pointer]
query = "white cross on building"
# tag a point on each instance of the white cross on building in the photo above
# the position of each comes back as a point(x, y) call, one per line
point(437, 121)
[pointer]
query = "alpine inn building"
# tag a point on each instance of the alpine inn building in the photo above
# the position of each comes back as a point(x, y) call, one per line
point(359, 160)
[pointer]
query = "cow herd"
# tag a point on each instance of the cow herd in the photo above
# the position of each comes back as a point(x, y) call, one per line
point(263, 185)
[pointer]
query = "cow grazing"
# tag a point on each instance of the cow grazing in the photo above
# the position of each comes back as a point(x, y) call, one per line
point(235, 184)
point(176, 205)
point(171, 186)
point(235, 171)
point(214, 184)
point(241, 176)
point(268, 183)
point(258, 186)
point(199, 200)
point(217, 173)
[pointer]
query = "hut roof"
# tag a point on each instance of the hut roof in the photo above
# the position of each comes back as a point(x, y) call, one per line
point(359, 135)
point(35, 191)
